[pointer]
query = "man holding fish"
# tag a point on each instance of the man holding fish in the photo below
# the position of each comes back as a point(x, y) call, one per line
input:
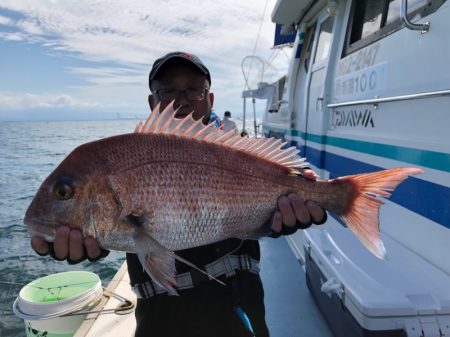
point(186, 200)
point(204, 307)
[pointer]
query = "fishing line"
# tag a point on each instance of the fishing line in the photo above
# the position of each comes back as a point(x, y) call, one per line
point(255, 46)
point(12, 283)
point(54, 291)
point(234, 249)
point(8, 282)
point(37, 287)
point(50, 289)
point(259, 28)
point(271, 58)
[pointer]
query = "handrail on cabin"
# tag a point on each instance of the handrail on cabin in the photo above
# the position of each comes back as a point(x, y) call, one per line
point(378, 100)
point(423, 27)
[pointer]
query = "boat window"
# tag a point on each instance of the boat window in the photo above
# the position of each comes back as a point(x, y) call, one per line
point(309, 39)
point(324, 43)
point(413, 10)
point(277, 95)
point(372, 20)
point(373, 14)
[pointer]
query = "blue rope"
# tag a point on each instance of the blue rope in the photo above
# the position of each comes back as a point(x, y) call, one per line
point(243, 316)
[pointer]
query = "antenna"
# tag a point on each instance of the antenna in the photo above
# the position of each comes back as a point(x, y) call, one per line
point(253, 71)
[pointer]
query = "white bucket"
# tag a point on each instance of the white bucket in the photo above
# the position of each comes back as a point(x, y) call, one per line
point(49, 305)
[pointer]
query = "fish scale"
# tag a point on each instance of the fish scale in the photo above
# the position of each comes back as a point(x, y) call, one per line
point(201, 197)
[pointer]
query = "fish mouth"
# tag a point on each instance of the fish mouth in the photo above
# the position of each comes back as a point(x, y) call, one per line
point(42, 228)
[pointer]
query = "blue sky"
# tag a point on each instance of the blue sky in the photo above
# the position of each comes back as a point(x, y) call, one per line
point(90, 59)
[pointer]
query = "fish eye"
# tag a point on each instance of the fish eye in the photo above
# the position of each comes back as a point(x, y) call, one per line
point(64, 189)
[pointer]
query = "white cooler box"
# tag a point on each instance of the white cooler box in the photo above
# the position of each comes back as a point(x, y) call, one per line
point(360, 295)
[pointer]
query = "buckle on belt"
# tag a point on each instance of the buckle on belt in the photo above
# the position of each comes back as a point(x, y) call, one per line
point(245, 262)
point(228, 266)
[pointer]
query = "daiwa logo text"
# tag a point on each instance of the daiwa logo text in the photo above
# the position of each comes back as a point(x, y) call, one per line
point(353, 118)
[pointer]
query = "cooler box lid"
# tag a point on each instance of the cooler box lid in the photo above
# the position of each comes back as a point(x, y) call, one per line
point(403, 285)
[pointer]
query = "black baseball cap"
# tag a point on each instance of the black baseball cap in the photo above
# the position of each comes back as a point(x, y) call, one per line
point(177, 56)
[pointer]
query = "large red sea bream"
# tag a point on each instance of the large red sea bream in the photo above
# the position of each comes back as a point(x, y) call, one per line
point(176, 184)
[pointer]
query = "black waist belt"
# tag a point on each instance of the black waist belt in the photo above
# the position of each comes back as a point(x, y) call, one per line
point(226, 265)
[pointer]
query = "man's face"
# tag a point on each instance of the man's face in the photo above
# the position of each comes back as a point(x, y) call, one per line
point(182, 77)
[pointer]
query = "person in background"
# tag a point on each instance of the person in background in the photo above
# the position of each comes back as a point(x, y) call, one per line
point(203, 307)
point(228, 123)
point(244, 133)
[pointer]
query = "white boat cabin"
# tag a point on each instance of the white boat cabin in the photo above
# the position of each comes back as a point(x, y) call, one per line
point(368, 88)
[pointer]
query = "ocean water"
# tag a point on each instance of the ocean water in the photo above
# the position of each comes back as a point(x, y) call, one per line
point(29, 151)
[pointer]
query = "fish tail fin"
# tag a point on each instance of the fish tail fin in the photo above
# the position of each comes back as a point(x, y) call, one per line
point(362, 212)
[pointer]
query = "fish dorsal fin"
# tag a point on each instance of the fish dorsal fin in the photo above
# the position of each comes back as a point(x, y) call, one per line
point(270, 149)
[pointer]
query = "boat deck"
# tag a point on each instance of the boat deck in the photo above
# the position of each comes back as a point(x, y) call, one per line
point(290, 309)
point(111, 324)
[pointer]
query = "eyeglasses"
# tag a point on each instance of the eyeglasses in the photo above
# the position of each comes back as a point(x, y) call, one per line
point(191, 94)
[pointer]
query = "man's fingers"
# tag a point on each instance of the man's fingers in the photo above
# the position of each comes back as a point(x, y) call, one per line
point(69, 244)
point(300, 209)
point(92, 248)
point(294, 213)
point(39, 245)
point(317, 213)
point(309, 174)
point(61, 244)
point(76, 248)
point(277, 222)
point(288, 215)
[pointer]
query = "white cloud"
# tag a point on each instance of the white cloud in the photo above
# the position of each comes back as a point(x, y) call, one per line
point(129, 35)
point(12, 101)
point(137, 30)
point(111, 76)
point(11, 36)
point(5, 21)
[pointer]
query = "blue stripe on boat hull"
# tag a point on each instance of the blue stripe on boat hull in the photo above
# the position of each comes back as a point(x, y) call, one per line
point(420, 196)
point(425, 158)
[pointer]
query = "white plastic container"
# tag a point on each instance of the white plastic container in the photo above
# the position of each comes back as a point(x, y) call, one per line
point(361, 295)
point(49, 305)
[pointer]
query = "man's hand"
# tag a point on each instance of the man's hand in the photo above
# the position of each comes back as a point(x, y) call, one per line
point(69, 244)
point(295, 213)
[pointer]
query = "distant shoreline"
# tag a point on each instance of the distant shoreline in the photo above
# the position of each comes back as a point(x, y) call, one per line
point(71, 120)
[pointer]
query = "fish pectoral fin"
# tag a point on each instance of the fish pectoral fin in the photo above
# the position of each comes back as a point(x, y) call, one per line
point(158, 261)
